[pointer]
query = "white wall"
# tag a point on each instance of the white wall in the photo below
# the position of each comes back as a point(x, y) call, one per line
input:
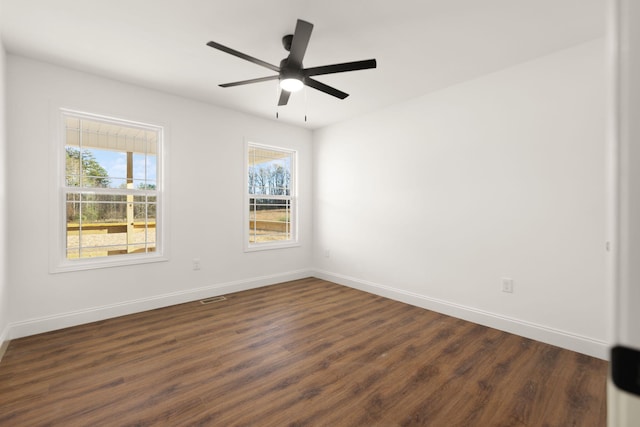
point(434, 200)
point(4, 301)
point(205, 190)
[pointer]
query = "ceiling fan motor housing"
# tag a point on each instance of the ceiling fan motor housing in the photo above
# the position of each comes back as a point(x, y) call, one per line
point(287, 72)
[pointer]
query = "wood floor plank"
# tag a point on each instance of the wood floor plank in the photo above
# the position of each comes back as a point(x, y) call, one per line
point(307, 352)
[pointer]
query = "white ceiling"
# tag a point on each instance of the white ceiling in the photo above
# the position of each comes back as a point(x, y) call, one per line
point(420, 45)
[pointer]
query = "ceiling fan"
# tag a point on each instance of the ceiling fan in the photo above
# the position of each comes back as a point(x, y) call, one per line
point(291, 73)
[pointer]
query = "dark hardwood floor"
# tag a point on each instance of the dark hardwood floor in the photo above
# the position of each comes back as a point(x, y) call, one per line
point(307, 352)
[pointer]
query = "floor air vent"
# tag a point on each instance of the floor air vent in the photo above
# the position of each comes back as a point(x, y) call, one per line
point(212, 299)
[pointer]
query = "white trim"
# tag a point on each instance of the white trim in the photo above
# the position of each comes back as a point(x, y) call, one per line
point(256, 247)
point(65, 266)
point(557, 337)
point(623, 50)
point(4, 341)
point(623, 409)
point(612, 167)
point(627, 105)
point(79, 317)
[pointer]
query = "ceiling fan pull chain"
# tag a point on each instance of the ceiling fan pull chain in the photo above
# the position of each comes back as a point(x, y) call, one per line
point(305, 104)
point(277, 103)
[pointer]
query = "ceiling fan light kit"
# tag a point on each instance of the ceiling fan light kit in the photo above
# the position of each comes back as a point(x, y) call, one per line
point(291, 84)
point(291, 74)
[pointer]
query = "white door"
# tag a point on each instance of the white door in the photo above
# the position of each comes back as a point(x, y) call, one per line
point(624, 394)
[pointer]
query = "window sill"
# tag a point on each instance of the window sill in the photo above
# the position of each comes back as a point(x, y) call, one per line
point(92, 264)
point(270, 246)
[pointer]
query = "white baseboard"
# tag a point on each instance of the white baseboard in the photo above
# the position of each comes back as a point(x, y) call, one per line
point(567, 340)
point(4, 341)
point(65, 320)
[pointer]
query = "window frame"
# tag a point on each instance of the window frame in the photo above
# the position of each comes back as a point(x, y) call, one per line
point(292, 198)
point(58, 260)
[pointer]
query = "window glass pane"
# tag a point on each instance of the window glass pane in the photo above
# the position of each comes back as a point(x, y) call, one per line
point(91, 240)
point(107, 212)
point(72, 166)
point(94, 172)
point(269, 220)
point(137, 249)
point(152, 213)
point(144, 170)
point(73, 208)
point(143, 234)
point(97, 251)
point(98, 153)
point(141, 212)
point(97, 208)
point(117, 182)
point(269, 172)
point(97, 225)
point(144, 184)
point(73, 253)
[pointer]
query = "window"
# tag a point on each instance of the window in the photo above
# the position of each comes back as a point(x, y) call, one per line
point(271, 197)
point(111, 191)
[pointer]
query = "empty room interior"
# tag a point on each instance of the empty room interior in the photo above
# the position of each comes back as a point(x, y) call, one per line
point(417, 236)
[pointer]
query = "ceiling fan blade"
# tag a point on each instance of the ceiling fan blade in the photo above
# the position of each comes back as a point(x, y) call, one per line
point(299, 43)
point(246, 82)
point(284, 97)
point(340, 68)
point(325, 88)
point(243, 56)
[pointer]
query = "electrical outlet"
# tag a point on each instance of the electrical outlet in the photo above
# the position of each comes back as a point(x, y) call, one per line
point(327, 253)
point(196, 263)
point(507, 285)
